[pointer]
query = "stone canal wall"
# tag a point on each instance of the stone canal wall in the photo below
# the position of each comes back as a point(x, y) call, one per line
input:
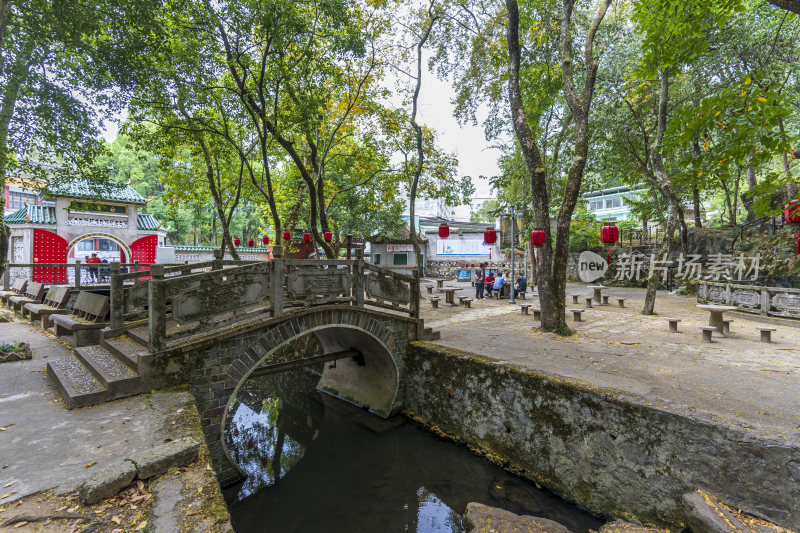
point(616, 457)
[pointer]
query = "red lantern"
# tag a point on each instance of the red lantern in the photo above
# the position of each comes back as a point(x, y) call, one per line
point(537, 237)
point(791, 211)
point(237, 241)
point(307, 237)
point(287, 236)
point(265, 240)
point(609, 234)
point(489, 236)
point(251, 243)
point(328, 236)
point(444, 231)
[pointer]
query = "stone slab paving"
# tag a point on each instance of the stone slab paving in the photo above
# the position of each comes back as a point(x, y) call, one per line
point(735, 380)
point(45, 446)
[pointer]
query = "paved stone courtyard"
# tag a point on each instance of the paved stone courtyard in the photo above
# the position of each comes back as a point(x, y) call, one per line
point(735, 380)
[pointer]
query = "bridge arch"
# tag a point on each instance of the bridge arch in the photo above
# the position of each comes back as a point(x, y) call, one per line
point(375, 382)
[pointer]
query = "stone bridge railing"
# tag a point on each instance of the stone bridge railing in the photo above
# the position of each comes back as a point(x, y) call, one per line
point(75, 274)
point(186, 299)
point(765, 301)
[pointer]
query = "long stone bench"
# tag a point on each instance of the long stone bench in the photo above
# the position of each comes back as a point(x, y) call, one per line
point(87, 319)
point(55, 303)
point(16, 289)
point(33, 294)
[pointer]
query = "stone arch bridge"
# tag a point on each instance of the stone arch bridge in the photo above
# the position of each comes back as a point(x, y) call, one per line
point(213, 325)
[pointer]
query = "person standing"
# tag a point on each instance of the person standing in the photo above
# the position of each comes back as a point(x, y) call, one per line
point(94, 260)
point(479, 278)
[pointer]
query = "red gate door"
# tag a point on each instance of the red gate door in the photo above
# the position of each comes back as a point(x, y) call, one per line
point(48, 247)
point(144, 251)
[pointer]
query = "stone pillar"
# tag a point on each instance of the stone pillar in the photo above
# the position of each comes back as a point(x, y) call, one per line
point(157, 302)
point(358, 278)
point(7, 277)
point(414, 289)
point(217, 261)
point(117, 297)
point(77, 268)
point(276, 283)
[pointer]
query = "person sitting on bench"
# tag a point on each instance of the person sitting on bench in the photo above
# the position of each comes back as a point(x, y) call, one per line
point(522, 285)
point(499, 283)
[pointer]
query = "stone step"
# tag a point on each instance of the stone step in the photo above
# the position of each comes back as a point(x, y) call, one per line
point(117, 377)
point(125, 348)
point(139, 335)
point(76, 383)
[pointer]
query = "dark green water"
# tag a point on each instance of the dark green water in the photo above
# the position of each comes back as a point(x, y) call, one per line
point(316, 464)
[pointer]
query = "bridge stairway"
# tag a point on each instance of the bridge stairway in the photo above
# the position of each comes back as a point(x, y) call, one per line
point(98, 373)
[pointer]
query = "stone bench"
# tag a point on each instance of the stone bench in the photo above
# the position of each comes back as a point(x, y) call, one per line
point(621, 302)
point(588, 302)
point(430, 289)
point(33, 294)
point(467, 302)
point(522, 295)
point(537, 313)
point(605, 299)
point(16, 289)
point(439, 283)
point(524, 308)
point(576, 314)
point(766, 333)
point(673, 324)
point(707, 331)
point(575, 298)
point(87, 320)
point(55, 303)
point(726, 326)
point(435, 302)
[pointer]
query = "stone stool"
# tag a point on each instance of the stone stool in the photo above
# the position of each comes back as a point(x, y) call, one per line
point(673, 324)
point(467, 302)
point(537, 314)
point(621, 302)
point(766, 333)
point(588, 303)
point(576, 314)
point(605, 299)
point(524, 308)
point(430, 289)
point(726, 326)
point(435, 302)
point(707, 331)
point(575, 298)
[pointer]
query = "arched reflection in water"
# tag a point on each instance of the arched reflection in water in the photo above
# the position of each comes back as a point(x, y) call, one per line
point(316, 464)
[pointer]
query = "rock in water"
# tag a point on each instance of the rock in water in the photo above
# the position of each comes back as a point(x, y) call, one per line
point(481, 518)
point(620, 526)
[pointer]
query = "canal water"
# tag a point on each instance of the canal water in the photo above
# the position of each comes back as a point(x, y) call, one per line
point(317, 464)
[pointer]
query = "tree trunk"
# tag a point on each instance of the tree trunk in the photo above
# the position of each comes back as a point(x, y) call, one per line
point(696, 204)
point(215, 194)
point(791, 186)
point(536, 172)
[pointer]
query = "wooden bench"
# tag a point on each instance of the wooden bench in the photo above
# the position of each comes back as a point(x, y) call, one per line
point(605, 299)
point(766, 333)
point(588, 302)
point(87, 319)
point(524, 308)
point(673, 324)
point(33, 294)
point(55, 303)
point(466, 301)
point(16, 289)
point(576, 314)
point(707, 332)
point(575, 298)
point(726, 326)
point(621, 302)
point(435, 302)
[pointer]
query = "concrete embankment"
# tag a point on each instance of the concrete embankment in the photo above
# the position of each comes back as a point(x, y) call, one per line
point(597, 447)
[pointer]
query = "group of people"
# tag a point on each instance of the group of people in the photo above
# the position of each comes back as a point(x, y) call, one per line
point(490, 281)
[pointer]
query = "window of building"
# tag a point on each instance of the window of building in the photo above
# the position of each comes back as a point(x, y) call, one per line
point(616, 202)
point(86, 245)
point(400, 259)
point(376, 259)
point(18, 199)
point(609, 203)
point(108, 245)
